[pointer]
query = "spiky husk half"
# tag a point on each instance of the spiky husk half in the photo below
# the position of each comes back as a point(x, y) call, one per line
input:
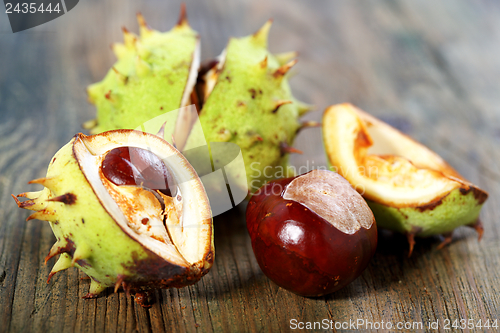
point(87, 230)
point(155, 73)
point(251, 104)
point(410, 188)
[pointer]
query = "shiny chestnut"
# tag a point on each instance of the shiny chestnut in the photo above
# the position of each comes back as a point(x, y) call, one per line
point(312, 234)
point(136, 166)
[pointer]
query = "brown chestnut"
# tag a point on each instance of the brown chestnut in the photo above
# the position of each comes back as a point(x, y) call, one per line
point(137, 166)
point(311, 234)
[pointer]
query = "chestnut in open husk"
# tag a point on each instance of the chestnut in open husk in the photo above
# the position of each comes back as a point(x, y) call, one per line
point(312, 234)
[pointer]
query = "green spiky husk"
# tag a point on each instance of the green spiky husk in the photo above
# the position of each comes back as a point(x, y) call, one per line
point(148, 79)
point(89, 239)
point(451, 212)
point(243, 109)
point(245, 106)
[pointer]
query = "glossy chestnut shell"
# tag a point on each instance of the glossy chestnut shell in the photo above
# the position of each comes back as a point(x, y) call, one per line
point(136, 166)
point(311, 235)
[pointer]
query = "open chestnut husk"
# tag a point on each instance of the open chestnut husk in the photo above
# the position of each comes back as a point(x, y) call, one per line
point(312, 234)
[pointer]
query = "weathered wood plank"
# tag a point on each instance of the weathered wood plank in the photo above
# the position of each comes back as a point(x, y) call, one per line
point(430, 68)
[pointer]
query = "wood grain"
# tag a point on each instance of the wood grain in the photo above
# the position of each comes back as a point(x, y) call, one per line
point(430, 68)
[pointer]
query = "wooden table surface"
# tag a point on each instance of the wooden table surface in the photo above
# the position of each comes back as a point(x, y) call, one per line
point(430, 68)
